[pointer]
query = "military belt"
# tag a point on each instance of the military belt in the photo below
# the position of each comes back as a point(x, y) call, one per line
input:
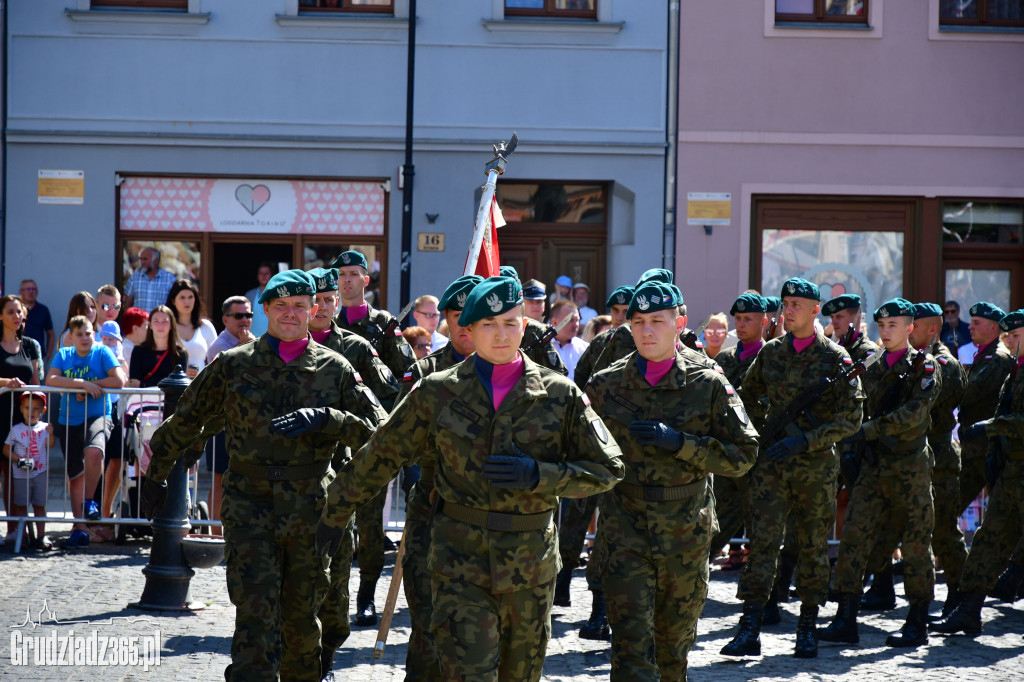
point(651, 493)
point(279, 473)
point(499, 521)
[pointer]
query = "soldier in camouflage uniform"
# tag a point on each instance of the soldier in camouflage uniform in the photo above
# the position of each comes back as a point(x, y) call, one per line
point(677, 422)
point(992, 364)
point(544, 354)
point(357, 316)
point(577, 514)
point(1003, 527)
point(286, 402)
point(333, 614)
point(505, 453)
point(893, 488)
point(732, 493)
point(420, 658)
point(947, 538)
point(800, 470)
point(845, 312)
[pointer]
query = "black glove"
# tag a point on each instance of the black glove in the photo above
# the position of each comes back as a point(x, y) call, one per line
point(328, 538)
point(153, 496)
point(975, 431)
point(518, 472)
point(787, 447)
point(656, 433)
point(299, 422)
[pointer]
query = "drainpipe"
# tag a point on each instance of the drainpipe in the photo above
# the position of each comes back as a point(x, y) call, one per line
point(3, 149)
point(408, 170)
point(668, 256)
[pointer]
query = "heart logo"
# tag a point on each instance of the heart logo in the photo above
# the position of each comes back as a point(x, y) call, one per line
point(252, 198)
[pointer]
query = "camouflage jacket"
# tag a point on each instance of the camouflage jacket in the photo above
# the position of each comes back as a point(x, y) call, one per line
point(363, 356)
point(953, 383)
point(246, 387)
point(735, 369)
point(718, 439)
point(545, 356)
point(780, 376)
point(587, 365)
point(984, 379)
point(615, 344)
point(861, 348)
point(899, 402)
point(1011, 425)
point(449, 416)
point(394, 350)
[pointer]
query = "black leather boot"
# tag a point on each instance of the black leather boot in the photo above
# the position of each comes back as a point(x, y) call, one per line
point(747, 641)
point(366, 612)
point(596, 626)
point(327, 652)
point(772, 613)
point(807, 632)
point(915, 631)
point(952, 601)
point(843, 627)
point(966, 617)
point(562, 596)
point(882, 594)
point(1009, 584)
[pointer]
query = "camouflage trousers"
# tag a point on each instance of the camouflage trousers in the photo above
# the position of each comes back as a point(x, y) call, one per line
point(807, 484)
point(947, 538)
point(887, 504)
point(732, 507)
point(1000, 533)
point(972, 471)
point(333, 614)
point(572, 534)
point(370, 533)
point(275, 578)
point(484, 637)
point(598, 558)
point(420, 657)
point(653, 606)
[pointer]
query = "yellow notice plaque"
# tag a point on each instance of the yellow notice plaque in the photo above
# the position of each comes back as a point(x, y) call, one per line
point(430, 241)
point(709, 208)
point(61, 187)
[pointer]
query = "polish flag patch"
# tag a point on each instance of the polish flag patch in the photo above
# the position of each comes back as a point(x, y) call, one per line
point(407, 376)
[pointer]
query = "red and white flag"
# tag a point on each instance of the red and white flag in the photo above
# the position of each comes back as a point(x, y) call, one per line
point(489, 263)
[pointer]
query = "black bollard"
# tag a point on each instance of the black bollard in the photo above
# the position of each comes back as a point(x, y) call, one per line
point(168, 576)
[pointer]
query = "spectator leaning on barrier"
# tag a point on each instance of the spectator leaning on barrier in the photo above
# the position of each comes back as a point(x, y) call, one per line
point(27, 446)
point(149, 285)
point(85, 422)
point(156, 357)
point(38, 323)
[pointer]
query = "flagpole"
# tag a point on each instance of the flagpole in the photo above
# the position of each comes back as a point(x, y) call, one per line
point(494, 168)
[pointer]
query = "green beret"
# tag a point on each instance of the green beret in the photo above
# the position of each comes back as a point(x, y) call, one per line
point(772, 304)
point(844, 302)
point(620, 296)
point(325, 279)
point(492, 297)
point(927, 310)
point(654, 296)
point(350, 258)
point(895, 307)
point(1011, 321)
point(288, 283)
point(988, 311)
point(508, 271)
point(656, 275)
point(801, 288)
point(749, 303)
point(454, 297)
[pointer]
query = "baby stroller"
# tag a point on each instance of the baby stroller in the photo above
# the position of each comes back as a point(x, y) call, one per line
point(140, 421)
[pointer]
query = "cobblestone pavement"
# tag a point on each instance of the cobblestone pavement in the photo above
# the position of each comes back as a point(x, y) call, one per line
point(94, 586)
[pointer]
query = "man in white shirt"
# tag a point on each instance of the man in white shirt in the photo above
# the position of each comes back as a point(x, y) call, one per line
point(569, 346)
point(581, 295)
point(424, 311)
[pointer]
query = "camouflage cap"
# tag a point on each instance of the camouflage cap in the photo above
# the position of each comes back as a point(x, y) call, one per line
point(895, 307)
point(987, 311)
point(749, 303)
point(534, 290)
point(288, 283)
point(654, 296)
point(1011, 321)
point(927, 310)
point(772, 304)
point(325, 279)
point(493, 296)
point(509, 271)
point(454, 297)
point(844, 302)
point(348, 258)
point(801, 288)
point(621, 296)
point(656, 275)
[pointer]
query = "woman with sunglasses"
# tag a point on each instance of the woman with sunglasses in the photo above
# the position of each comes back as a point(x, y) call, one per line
point(197, 333)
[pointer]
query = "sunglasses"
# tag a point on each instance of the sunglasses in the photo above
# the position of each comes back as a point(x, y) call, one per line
point(240, 316)
point(950, 312)
point(111, 306)
point(422, 346)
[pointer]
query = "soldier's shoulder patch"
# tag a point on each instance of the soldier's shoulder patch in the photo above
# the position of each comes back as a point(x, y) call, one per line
point(398, 332)
point(600, 430)
point(741, 413)
point(943, 361)
point(407, 376)
point(416, 385)
point(847, 360)
point(929, 367)
point(718, 368)
point(586, 400)
point(926, 383)
point(358, 377)
point(370, 395)
point(374, 351)
point(730, 390)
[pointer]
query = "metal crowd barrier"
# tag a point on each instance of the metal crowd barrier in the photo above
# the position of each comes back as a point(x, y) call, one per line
point(136, 413)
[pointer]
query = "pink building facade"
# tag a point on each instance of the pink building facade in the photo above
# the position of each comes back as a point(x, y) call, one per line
point(883, 157)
